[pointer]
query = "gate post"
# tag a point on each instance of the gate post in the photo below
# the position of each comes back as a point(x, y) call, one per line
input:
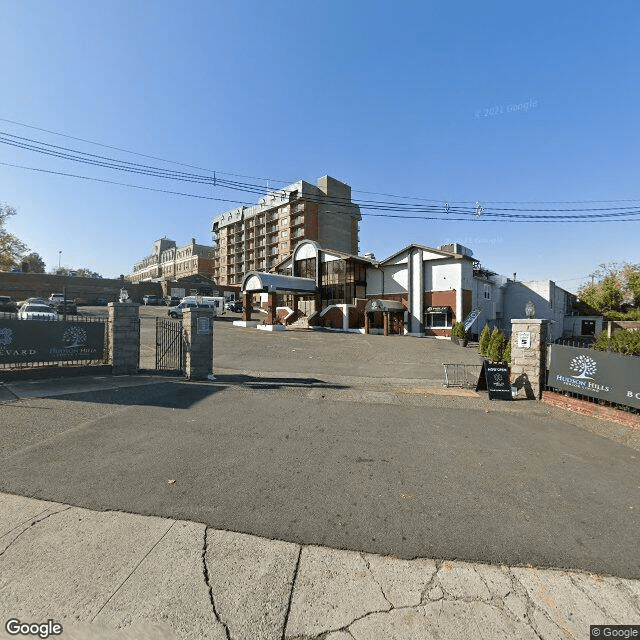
point(197, 326)
point(529, 355)
point(123, 330)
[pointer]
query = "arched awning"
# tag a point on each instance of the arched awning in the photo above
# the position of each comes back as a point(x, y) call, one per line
point(255, 282)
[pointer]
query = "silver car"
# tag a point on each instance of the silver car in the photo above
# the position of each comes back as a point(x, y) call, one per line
point(37, 312)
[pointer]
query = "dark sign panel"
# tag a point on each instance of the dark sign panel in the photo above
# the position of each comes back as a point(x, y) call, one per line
point(44, 341)
point(494, 377)
point(597, 374)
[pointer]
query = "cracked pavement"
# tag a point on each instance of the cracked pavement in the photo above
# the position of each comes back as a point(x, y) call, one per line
point(114, 575)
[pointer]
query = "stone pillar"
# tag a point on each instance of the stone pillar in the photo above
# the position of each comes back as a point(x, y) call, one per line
point(246, 306)
point(197, 325)
point(529, 363)
point(366, 322)
point(385, 322)
point(271, 307)
point(123, 336)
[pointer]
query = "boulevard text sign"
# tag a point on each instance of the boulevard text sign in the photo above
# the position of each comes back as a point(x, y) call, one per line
point(50, 341)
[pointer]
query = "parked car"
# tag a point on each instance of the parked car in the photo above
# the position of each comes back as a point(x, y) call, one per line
point(37, 312)
point(176, 312)
point(172, 301)
point(66, 306)
point(7, 303)
point(33, 301)
point(151, 300)
point(234, 305)
point(101, 302)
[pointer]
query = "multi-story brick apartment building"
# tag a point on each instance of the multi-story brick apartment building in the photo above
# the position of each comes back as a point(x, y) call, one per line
point(258, 237)
point(170, 262)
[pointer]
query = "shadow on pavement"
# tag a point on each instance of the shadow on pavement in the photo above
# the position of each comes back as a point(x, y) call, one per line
point(176, 393)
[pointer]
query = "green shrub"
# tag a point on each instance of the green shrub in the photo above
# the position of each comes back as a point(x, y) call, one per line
point(632, 314)
point(495, 342)
point(499, 346)
point(506, 354)
point(625, 342)
point(485, 337)
point(458, 330)
point(602, 342)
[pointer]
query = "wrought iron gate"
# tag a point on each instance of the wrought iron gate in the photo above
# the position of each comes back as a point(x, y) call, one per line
point(170, 352)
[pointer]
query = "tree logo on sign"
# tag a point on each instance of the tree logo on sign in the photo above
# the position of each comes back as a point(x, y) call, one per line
point(74, 336)
point(6, 336)
point(584, 366)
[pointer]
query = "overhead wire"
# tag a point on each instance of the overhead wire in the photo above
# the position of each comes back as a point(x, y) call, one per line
point(440, 211)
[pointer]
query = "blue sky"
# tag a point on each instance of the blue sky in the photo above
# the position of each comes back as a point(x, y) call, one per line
point(410, 98)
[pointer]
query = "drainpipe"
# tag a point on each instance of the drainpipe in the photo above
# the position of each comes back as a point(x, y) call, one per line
point(410, 290)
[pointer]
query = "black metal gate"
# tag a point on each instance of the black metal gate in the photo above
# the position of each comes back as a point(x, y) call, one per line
point(170, 352)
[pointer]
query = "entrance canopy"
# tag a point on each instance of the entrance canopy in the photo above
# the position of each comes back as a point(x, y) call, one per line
point(255, 282)
point(383, 305)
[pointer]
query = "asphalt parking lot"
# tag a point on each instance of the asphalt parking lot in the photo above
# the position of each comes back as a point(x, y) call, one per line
point(338, 440)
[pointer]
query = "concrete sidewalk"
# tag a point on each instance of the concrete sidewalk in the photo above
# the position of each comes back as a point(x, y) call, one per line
point(108, 575)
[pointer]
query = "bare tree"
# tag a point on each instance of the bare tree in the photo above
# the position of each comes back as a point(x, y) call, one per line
point(11, 248)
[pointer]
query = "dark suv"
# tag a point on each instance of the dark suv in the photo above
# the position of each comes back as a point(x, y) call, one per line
point(234, 305)
point(65, 306)
point(7, 303)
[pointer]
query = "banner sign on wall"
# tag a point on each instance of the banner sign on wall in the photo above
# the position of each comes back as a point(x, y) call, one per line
point(597, 374)
point(44, 341)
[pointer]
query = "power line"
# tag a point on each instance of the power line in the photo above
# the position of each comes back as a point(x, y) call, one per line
point(213, 171)
point(240, 202)
point(478, 211)
point(136, 153)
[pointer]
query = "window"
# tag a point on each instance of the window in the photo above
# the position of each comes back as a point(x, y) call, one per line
point(439, 319)
point(487, 292)
point(588, 328)
point(284, 234)
point(306, 268)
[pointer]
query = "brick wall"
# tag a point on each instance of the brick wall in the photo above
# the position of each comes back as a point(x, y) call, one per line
point(618, 325)
point(41, 285)
point(591, 409)
point(440, 299)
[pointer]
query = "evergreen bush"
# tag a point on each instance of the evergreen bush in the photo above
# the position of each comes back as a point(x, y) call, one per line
point(485, 337)
point(499, 348)
point(458, 330)
point(506, 354)
point(493, 349)
point(625, 342)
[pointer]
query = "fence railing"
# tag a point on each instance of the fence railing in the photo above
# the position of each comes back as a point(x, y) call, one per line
point(461, 375)
point(72, 341)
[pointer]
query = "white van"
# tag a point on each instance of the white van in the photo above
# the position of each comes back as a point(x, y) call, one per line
point(176, 312)
point(209, 301)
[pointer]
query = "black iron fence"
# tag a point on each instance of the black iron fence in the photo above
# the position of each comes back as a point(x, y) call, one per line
point(75, 340)
point(170, 347)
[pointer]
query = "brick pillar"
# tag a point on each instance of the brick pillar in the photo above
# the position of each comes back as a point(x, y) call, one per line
point(197, 326)
point(366, 322)
point(246, 307)
point(271, 307)
point(385, 322)
point(529, 363)
point(123, 329)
